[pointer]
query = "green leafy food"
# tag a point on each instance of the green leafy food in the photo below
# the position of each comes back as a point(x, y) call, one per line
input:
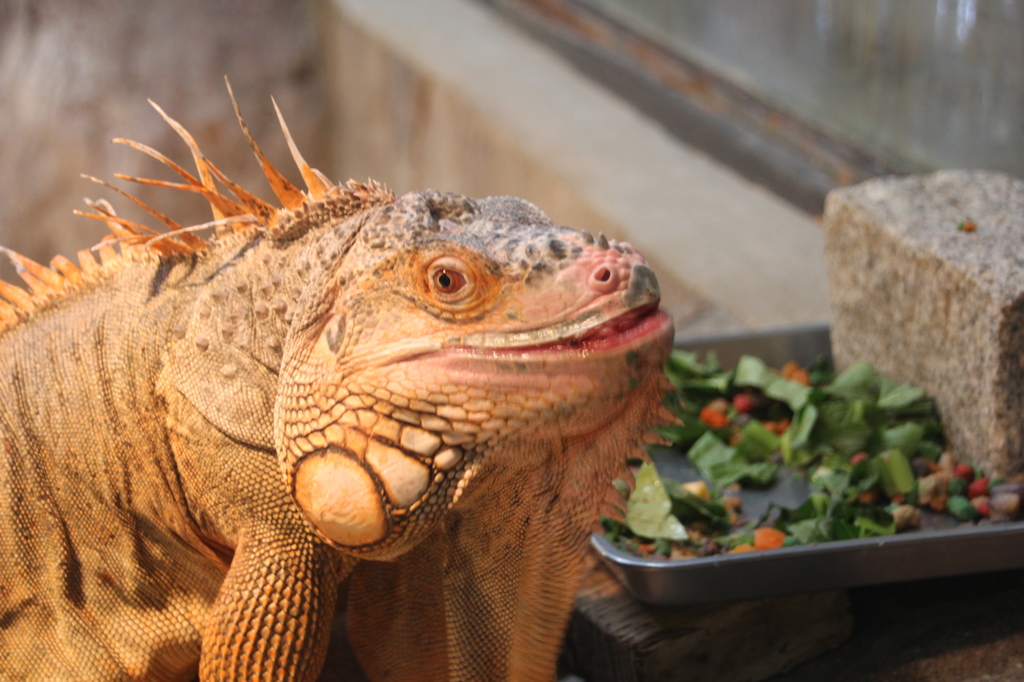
point(688, 507)
point(898, 397)
point(757, 443)
point(904, 437)
point(752, 371)
point(795, 441)
point(894, 472)
point(851, 434)
point(649, 510)
point(721, 464)
point(849, 426)
point(870, 528)
point(854, 383)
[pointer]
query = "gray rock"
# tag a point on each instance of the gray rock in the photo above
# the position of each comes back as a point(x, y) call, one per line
point(931, 304)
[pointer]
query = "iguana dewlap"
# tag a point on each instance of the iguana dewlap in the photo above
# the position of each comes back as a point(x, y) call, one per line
point(429, 395)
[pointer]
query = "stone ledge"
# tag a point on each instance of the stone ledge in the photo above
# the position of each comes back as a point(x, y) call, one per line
point(445, 94)
point(930, 304)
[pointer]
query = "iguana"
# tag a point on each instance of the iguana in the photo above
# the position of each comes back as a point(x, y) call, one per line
point(426, 396)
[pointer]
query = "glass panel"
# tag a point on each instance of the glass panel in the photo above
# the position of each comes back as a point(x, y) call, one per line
point(922, 83)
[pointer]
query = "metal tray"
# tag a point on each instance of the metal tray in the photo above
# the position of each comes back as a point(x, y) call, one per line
point(940, 548)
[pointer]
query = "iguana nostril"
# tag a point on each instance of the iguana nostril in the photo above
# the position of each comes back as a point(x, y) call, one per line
point(604, 279)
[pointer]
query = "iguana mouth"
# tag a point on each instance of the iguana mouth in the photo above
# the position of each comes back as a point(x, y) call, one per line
point(586, 331)
point(622, 330)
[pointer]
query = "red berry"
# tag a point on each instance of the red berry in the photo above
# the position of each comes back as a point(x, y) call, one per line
point(858, 458)
point(743, 402)
point(964, 471)
point(977, 487)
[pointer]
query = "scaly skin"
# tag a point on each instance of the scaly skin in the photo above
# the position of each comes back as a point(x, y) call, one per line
point(200, 443)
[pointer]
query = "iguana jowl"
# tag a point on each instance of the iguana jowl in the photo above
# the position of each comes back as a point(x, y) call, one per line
point(428, 395)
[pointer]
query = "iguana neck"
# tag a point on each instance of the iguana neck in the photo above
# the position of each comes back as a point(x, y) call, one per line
point(488, 594)
point(248, 294)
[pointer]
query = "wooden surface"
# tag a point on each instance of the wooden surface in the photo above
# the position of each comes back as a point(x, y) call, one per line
point(966, 629)
point(963, 629)
point(614, 637)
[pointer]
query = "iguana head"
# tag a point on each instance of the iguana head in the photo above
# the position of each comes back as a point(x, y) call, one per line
point(428, 334)
point(435, 330)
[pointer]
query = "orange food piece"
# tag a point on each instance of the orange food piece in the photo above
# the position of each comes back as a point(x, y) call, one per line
point(745, 547)
point(713, 418)
point(794, 372)
point(768, 538)
point(778, 428)
point(869, 496)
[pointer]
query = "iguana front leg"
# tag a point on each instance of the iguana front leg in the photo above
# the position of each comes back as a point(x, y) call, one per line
point(272, 616)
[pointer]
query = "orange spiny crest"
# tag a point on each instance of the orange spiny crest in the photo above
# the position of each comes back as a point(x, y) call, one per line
point(145, 149)
point(317, 187)
point(188, 241)
point(222, 206)
point(36, 286)
point(197, 156)
point(8, 314)
point(41, 279)
point(17, 296)
point(108, 255)
point(65, 267)
point(243, 212)
point(266, 213)
point(341, 201)
point(88, 262)
point(153, 212)
point(288, 194)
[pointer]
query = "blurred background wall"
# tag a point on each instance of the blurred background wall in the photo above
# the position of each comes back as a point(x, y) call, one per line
point(76, 73)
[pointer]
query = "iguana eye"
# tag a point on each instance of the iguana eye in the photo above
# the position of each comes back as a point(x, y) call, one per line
point(449, 282)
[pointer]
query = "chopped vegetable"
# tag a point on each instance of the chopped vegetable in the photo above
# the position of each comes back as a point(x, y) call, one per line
point(964, 471)
point(768, 538)
point(982, 505)
point(978, 487)
point(743, 402)
point(713, 418)
point(906, 516)
point(649, 510)
point(961, 508)
point(894, 472)
point(722, 464)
